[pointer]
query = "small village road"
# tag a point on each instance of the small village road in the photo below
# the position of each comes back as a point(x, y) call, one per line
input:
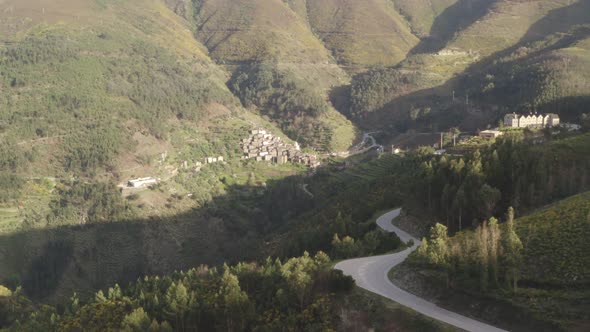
point(371, 273)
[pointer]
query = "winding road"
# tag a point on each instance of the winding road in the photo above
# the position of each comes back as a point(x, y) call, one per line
point(365, 145)
point(371, 273)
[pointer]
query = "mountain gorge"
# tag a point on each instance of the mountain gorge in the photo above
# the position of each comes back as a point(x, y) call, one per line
point(97, 93)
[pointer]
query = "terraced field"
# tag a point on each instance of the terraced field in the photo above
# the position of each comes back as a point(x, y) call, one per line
point(10, 219)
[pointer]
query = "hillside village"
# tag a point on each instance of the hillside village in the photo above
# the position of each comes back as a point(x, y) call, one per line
point(263, 146)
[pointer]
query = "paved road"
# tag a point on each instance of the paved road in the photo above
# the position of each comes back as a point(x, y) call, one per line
point(370, 273)
point(365, 145)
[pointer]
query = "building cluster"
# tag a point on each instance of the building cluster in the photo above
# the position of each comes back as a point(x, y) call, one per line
point(514, 120)
point(263, 146)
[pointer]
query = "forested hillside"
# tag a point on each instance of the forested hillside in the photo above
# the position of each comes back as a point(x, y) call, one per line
point(525, 274)
point(460, 192)
point(95, 93)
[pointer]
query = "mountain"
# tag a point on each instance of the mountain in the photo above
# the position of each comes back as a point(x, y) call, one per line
point(94, 93)
point(361, 33)
point(450, 78)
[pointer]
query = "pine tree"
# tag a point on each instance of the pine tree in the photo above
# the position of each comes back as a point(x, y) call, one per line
point(74, 303)
point(482, 241)
point(438, 252)
point(99, 297)
point(438, 248)
point(494, 248)
point(512, 252)
point(115, 293)
point(423, 249)
point(178, 303)
point(137, 321)
point(234, 301)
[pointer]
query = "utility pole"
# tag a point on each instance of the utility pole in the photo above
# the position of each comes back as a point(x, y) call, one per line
point(441, 140)
point(453, 95)
point(467, 99)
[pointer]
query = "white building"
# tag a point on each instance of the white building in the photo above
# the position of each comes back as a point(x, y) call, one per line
point(514, 120)
point(142, 182)
point(490, 133)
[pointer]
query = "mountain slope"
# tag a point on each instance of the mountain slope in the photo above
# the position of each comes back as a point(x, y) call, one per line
point(248, 30)
point(525, 44)
point(555, 242)
point(361, 33)
point(242, 34)
point(437, 21)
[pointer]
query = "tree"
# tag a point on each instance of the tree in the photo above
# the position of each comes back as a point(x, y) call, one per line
point(344, 248)
point(99, 297)
point(137, 321)
point(74, 304)
point(234, 301)
point(459, 203)
point(423, 249)
point(488, 197)
point(455, 132)
point(298, 274)
point(494, 248)
point(178, 302)
point(438, 248)
point(482, 241)
point(115, 293)
point(428, 177)
point(438, 245)
point(512, 251)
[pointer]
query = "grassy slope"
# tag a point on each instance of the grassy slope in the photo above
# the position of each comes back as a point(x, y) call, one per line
point(422, 14)
point(556, 243)
point(361, 33)
point(246, 30)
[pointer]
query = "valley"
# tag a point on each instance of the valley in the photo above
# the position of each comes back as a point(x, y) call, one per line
point(204, 164)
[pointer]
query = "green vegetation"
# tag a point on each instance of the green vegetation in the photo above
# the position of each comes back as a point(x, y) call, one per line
point(95, 93)
point(288, 101)
point(555, 244)
point(497, 55)
point(358, 34)
point(528, 264)
point(366, 310)
point(463, 191)
point(87, 203)
point(299, 294)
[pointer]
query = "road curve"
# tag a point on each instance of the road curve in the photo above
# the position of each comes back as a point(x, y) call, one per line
point(371, 273)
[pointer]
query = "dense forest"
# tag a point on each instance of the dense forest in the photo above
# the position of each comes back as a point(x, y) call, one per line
point(461, 192)
point(294, 295)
